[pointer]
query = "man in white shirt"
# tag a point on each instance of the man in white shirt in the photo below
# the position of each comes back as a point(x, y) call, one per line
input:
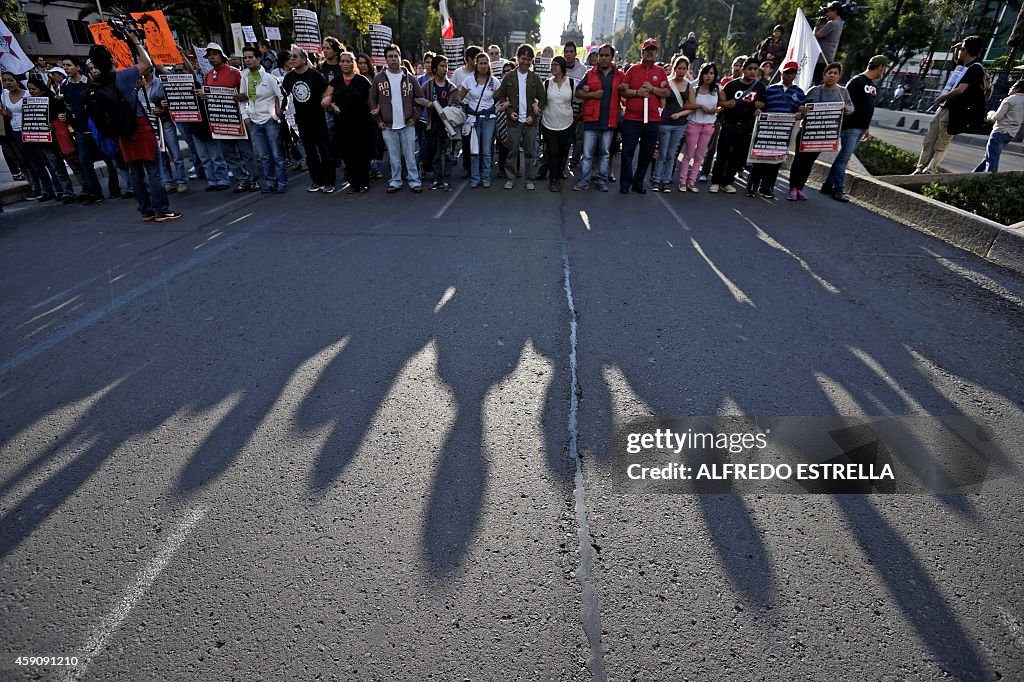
point(1007, 119)
point(262, 115)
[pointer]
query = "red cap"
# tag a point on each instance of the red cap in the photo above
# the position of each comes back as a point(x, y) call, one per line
point(650, 42)
point(790, 66)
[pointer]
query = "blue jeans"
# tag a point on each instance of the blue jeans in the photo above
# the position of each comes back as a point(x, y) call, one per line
point(88, 155)
point(646, 136)
point(266, 142)
point(213, 162)
point(669, 137)
point(172, 163)
point(993, 150)
point(599, 141)
point(480, 164)
point(237, 154)
point(848, 141)
point(401, 145)
point(155, 200)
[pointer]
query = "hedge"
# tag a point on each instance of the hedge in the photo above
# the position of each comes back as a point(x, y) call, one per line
point(994, 196)
point(882, 158)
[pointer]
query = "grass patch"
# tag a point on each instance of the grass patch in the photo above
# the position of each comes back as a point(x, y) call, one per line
point(882, 158)
point(991, 195)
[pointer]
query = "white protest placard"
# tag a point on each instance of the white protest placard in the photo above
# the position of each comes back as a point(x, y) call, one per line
point(455, 52)
point(273, 32)
point(307, 30)
point(770, 140)
point(542, 65)
point(225, 114)
point(822, 123)
point(35, 120)
point(204, 64)
point(249, 33)
point(238, 38)
point(380, 37)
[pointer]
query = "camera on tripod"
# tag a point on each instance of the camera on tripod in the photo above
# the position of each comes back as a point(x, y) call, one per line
point(122, 26)
point(846, 10)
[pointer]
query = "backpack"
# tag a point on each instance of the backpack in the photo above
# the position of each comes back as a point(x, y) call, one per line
point(111, 113)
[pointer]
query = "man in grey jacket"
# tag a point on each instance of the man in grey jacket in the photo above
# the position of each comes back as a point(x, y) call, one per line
point(522, 94)
point(393, 104)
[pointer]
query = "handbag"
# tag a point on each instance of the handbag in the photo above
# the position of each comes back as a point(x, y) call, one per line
point(63, 138)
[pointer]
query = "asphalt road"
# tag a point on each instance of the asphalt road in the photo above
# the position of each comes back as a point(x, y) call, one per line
point(335, 437)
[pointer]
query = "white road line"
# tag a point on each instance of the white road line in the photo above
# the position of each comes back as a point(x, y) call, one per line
point(590, 611)
point(736, 292)
point(451, 201)
point(682, 223)
point(586, 219)
point(220, 208)
point(121, 301)
point(770, 241)
point(142, 582)
point(448, 294)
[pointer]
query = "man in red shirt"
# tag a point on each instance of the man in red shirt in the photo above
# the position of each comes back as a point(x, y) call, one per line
point(236, 154)
point(642, 89)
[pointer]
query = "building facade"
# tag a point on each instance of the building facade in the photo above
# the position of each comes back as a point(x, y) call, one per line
point(57, 28)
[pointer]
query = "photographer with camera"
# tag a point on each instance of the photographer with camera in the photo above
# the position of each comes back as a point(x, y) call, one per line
point(112, 102)
point(827, 30)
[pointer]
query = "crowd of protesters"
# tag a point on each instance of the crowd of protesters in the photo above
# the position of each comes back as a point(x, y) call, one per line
point(672, 124)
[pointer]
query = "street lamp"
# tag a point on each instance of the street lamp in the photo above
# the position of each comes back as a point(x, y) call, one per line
point(728, 29)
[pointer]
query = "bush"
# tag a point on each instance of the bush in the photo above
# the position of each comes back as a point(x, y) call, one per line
point(882, 158)
point(992, 195)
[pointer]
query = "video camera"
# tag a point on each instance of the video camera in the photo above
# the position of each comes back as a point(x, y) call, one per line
point(847, 10)
point(121, 26)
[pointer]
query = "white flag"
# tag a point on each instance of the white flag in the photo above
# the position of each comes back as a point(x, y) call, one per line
point(12, 57)
point(803, 49)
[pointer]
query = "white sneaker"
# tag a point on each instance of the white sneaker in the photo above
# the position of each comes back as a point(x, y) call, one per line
point(729, 189)
point(713, 189)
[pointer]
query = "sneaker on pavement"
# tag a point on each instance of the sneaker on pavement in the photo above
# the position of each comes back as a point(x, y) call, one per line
point(529, 184)
point(509, 184)
point(329, 189)
point(702, 178)
point(692, 188)
point(601, 187)
point(792, 196)
point(841, 197)
point(713, 189)
point(485, 184)
point(182, 188)
point(315, 188)
point(728, 189)
point(579, 187)
point(169, 215)
point(801, 195)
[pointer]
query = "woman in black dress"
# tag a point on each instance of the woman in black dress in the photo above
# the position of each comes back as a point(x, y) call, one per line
point(348, 97)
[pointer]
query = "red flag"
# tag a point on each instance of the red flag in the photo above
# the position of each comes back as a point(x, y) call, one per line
point(447, 25)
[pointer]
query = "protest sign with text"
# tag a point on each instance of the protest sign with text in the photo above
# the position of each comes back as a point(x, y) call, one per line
point(822, 124)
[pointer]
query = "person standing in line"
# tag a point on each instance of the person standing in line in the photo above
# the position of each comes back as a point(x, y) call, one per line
point(576, 70)
point(599, 91)
point(262, 116)
point(394, 107)
point(784, 98)
point(11, 106)
point(294, 150)
point(52, 161)
point(803, 162)
point(138, 147)
point(522, 94)
point(330, 67)
point(235, 155)
point(674, 118)
point(739, 99)
point(960, 106)
point(306, 86)
point(461, 76)
point(88, 153)
point(643, 87)
point(1007, 120)
point(478, 96)
point(438, 148)
point(172, 163)
point(863, 93)
point(348, 99)
point(709, 157)
point(704, 103)
point(558, 122)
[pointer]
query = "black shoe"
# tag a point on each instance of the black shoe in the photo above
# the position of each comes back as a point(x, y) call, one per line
point(115, 195)
point(33, 196)
point(437, 185)
point(639, 189)
point(91, 201)
point(750, 192)
point(18, 177)
point(45, 197)
point(392, 190)
point(828, 189)
point(417, 190)
point(767, 193)
point(128, 195)
point(542, 174)
point(169, 215)
point(624, 189)
point(329, 189)
point(243, 187)
point(841, 197)
point(148, 217)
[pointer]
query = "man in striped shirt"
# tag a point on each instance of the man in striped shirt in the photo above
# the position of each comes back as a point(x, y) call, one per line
point(785, 98)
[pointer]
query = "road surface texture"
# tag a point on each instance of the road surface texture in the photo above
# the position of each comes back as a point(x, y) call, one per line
point(337, 437)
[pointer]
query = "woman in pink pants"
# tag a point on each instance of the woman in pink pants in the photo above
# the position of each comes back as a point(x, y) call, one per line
point(705, 106)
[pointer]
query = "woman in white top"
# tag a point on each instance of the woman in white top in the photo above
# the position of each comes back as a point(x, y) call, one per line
point(558, 123)
point(29, 159)
point(703, 102)
point(477, 95)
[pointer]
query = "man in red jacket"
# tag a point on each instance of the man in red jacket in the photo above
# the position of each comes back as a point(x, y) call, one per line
point(645, 85)
point(599, 91)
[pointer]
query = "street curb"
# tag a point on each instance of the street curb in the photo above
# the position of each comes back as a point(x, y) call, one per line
point(985, 238)
point(13, 192)
point(972, 140)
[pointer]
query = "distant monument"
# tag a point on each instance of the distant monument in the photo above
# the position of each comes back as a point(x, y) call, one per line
point(573, 31)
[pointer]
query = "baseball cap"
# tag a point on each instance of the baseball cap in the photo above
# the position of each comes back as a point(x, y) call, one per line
point(790, 66)
point(649, 43)
point(878, 60)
